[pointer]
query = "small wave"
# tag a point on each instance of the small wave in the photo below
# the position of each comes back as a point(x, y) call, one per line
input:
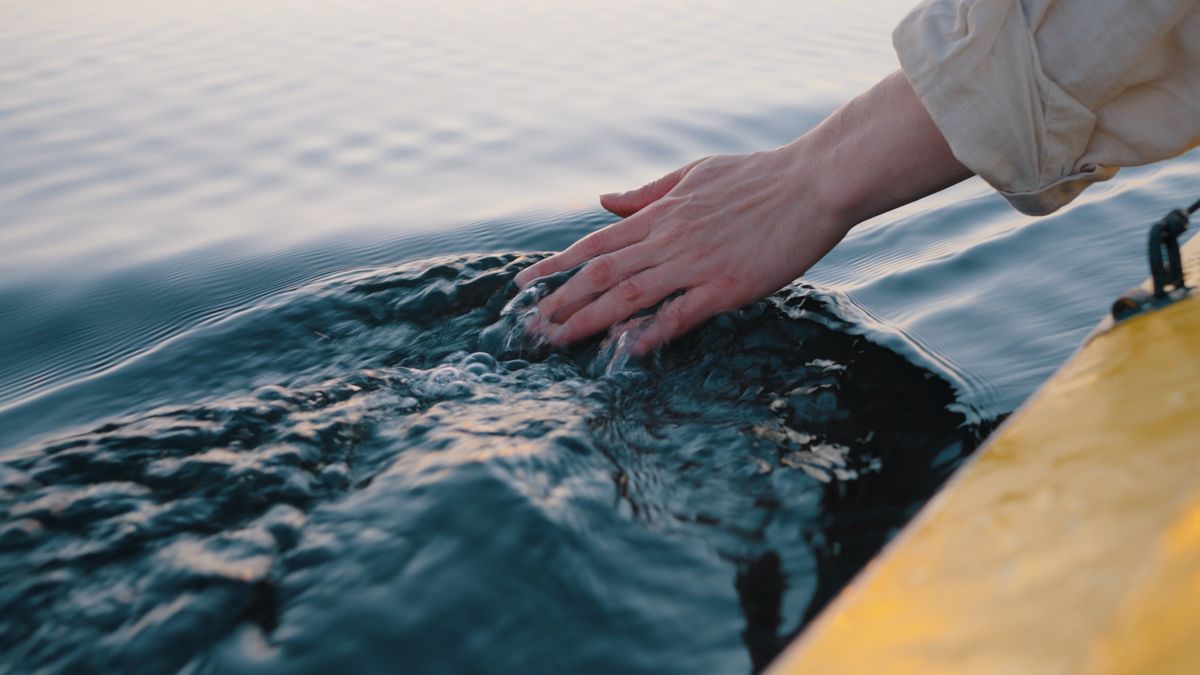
point(373, 437)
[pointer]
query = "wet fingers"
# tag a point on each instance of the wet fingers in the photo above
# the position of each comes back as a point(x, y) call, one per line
point(621, 301)
point(607, 240)
point(676, 317)
point(595, 279)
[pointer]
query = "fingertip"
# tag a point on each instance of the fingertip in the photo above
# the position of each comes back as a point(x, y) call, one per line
point(654, 337)
point(644, 340)
point(641, 348)
point(558, 336)
point(617, 203)
point(674, 319)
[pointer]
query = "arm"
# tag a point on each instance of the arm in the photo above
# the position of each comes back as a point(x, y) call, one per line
point(728, 230)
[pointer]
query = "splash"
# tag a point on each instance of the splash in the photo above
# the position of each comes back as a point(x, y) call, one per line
point(381, 468)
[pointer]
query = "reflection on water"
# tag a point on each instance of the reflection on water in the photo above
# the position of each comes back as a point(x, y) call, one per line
point(250, 419)
point(395, 493)
point(165, 163)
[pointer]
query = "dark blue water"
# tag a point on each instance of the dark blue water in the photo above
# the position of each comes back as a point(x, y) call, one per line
point(340, 478)
point(253, 257)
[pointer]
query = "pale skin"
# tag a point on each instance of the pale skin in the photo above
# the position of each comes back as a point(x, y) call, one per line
point(728, 230)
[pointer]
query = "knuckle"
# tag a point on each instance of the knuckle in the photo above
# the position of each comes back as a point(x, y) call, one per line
point(566, 334)
point(673, 318)
point(708, 165)
point(716, 165)
point(600, 271)
point(726, 281)
point(671, 235)
point(691, 211)
point(630, 290)
point(549, 307)
point(580, 325)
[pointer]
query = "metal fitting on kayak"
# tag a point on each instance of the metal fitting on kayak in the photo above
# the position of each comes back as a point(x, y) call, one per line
point(1166, 267)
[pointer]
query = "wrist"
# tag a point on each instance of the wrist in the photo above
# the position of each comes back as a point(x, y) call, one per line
point(828, 199)
point(879, 151)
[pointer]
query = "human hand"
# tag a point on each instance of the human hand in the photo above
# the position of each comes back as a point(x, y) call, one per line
point(725, 231)
point(728, 230)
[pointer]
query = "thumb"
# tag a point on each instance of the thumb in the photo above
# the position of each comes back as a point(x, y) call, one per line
point(626, 204)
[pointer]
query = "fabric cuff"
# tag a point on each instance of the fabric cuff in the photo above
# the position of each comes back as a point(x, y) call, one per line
point(974, 65)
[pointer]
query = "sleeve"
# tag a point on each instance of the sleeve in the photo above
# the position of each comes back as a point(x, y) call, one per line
point(1042, 98)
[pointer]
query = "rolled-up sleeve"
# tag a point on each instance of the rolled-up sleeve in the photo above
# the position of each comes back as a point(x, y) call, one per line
point(1042, 98)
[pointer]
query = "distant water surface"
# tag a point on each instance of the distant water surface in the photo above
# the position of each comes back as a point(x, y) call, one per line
point(250, 418)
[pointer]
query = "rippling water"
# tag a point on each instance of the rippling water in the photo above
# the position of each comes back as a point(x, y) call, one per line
point(353, 485)
point(251, 417)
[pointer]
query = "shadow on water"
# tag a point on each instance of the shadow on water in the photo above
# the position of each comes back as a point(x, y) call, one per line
point(374, 489)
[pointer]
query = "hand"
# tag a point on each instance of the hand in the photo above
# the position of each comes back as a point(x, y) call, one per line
point(725, 231)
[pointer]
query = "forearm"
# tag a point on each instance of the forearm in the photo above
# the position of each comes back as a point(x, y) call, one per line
point(876, 153)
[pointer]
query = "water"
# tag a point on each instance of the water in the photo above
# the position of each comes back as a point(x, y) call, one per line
point(250, 414)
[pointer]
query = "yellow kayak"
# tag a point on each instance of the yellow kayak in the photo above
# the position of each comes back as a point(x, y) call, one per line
point(1069, 544)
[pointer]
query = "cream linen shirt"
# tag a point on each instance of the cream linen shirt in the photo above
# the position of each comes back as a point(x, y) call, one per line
point(1042, 98)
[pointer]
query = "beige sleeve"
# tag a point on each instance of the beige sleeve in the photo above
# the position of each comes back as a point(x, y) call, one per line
point(1042, 98)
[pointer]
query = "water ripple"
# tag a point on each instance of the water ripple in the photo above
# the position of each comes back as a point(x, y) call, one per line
point(251, 420)
point(319, 463)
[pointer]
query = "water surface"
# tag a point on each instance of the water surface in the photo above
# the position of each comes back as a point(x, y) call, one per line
point(352, 484)
point(250, 417)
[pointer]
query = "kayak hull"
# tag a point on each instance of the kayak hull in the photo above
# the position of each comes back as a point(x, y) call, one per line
point(1070, 543)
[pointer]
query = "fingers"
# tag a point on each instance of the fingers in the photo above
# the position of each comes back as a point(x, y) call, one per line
point(617, 304)
point(626, 204)
point(677, 317)
point(614, 237)
point(606, 240)
point(596, 277)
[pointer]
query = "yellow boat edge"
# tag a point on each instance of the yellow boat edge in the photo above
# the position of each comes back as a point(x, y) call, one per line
point(1070, 543)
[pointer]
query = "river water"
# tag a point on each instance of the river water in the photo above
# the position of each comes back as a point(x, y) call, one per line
point(258, 411)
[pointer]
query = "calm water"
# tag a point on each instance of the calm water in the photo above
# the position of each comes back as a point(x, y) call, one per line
point(254, 414)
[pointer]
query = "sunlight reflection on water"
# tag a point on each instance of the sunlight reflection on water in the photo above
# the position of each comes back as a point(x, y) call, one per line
point(193, 396)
